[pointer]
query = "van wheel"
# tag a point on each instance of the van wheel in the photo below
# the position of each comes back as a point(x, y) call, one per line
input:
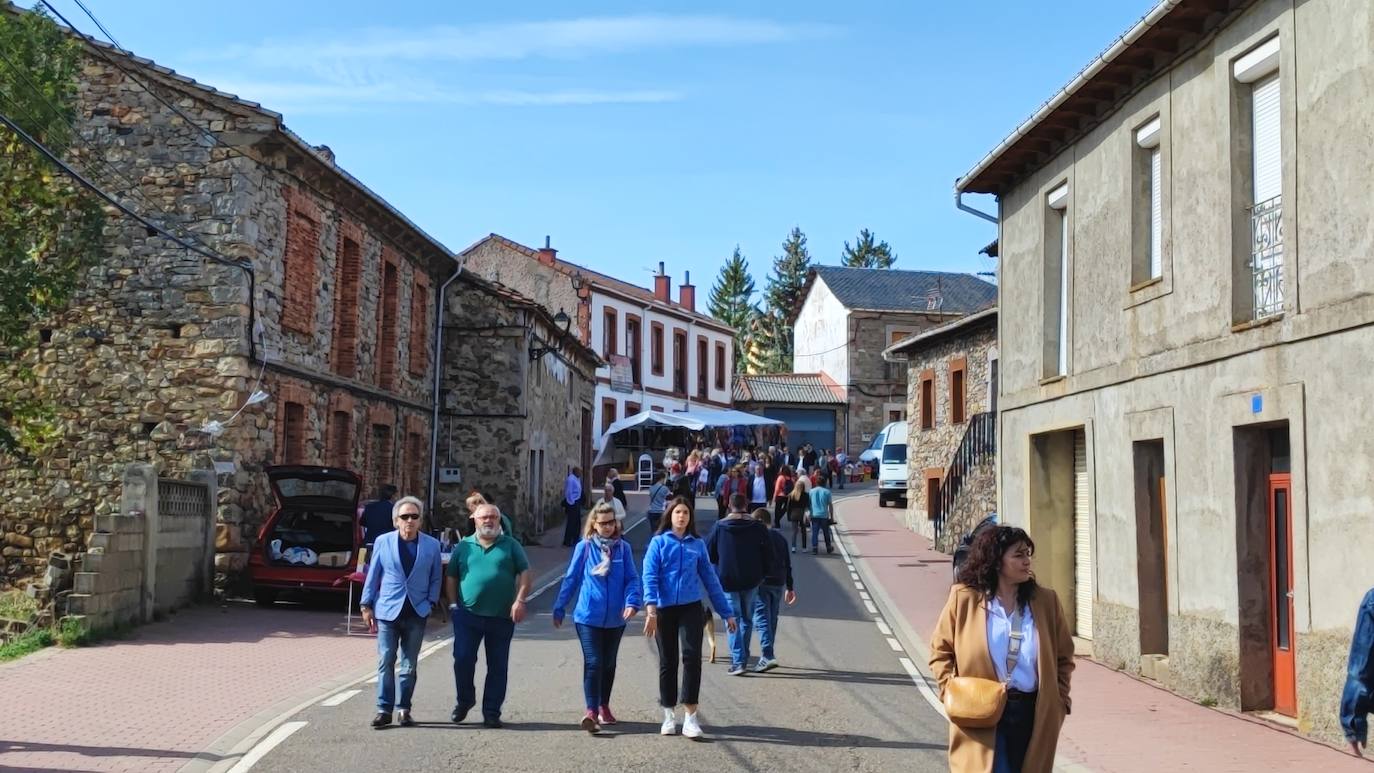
point(882, 501)
point(264, 597)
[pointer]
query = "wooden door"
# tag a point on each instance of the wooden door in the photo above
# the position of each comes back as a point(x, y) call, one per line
point(1282, 638)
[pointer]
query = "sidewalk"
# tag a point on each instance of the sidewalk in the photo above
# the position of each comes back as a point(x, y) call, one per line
point(186, 691)
point(1119, 724)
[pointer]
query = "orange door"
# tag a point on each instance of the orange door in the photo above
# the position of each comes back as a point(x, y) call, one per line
point(1281, 595)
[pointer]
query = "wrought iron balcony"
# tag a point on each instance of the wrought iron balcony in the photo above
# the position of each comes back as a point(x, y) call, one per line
point(1266, 257)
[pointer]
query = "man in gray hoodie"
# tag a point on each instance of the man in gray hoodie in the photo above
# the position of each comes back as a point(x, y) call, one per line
point(740, 550)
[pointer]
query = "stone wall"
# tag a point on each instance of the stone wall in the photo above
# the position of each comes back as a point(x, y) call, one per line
point(492, 423)
point(156, 340)
point(931, 450)
point(495, 259)
point(874, 382)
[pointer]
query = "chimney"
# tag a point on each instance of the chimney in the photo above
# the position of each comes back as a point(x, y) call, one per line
point(547, 254)
point(663, 285)
point(687, 293)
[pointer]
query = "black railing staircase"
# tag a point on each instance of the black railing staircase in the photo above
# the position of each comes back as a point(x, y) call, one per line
point(978, 445)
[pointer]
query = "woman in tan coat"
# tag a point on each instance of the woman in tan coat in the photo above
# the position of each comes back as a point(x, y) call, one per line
point(972, 638)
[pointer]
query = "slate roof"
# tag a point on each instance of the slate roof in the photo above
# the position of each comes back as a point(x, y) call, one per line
point(811, 388)
point(885, 289)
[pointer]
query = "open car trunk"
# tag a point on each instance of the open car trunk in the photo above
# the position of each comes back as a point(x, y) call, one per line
point(316, 523)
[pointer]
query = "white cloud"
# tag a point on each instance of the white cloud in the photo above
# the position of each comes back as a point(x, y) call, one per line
point(521, 40)
point(303, 97)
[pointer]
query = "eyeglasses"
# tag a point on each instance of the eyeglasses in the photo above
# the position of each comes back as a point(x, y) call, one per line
point(408, 516)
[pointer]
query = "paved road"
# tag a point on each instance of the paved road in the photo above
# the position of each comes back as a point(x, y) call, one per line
point(841, 701)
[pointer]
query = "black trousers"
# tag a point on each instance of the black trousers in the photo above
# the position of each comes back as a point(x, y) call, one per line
point(572, 515)
point(679, 624)
point(1014, 733)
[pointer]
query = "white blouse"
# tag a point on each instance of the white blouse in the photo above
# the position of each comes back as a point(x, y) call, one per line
point(1026, 677)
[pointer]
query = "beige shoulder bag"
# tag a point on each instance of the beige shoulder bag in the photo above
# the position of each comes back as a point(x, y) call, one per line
point(973, 702)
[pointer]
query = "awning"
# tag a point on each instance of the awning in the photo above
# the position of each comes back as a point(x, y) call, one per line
point(697, 419)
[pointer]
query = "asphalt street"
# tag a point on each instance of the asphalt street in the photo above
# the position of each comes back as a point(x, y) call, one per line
point(841, 700)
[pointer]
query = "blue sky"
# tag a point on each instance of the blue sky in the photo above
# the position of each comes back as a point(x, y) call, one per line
point(634, 132)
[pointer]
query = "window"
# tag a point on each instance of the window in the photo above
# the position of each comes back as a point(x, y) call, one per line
point(346, 307)
point(656, 348)
point(419, 325)
point(680, 363)
point(633, 347)
point(632, 408)
point(607, 414)
point(1056, 283)
point(894, 415)
point(608, 332)
point(1148, 233)
point(958, 392)
point(720, 366)
point(340, 439)
point(932, 495)
point(298, 269)
point(386, 327)
point(1259, 286)
point(927, 399)
point(293, 434)
point(703, 369)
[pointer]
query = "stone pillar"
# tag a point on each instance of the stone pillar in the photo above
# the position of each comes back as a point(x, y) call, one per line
point(139, 497)
point(208, 479)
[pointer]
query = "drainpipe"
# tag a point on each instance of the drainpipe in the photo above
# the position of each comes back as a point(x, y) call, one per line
point(438, 376)
point(959, 204)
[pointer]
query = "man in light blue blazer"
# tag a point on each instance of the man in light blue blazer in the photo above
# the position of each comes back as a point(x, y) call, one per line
point(402, 586)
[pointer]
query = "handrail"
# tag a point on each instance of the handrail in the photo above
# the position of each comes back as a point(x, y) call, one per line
point(978, 443)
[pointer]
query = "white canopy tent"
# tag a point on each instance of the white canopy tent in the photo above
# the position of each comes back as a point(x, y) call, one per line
point(695, 420)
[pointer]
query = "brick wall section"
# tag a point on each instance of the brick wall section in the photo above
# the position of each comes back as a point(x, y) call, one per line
point(388, 305)
point(419, 325)
point(348, 279)
point(933, 448)
point(872, 384)
point(108, 586)
point(301, 261)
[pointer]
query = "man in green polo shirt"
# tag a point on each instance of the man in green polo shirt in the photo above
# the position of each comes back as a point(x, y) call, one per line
point(489, 575)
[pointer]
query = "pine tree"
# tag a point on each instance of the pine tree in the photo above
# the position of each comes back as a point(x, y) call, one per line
point(731, 302)
point(781, 298)
point(866, 254)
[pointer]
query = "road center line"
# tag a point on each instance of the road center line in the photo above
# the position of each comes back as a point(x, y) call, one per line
point(266, 745)
point(872, 610)
point(339, 697)
point(882, 626)
point(894, 644)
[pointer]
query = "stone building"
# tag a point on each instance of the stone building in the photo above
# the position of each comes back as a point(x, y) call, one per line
point(156, 357)
point(515, 388)
point(659, 354)
point(1187, 331)
point(848, 316)
point(951, 412)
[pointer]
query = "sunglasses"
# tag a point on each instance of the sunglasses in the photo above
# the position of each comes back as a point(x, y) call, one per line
point(408, 516)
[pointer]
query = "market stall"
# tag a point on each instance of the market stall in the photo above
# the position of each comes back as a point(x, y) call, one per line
point(652, 432)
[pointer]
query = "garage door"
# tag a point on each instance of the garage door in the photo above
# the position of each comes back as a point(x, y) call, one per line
point(806, 425)
point(1082, 540)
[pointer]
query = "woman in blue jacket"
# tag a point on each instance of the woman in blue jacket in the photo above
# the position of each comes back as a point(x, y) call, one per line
point(604, 565)
point(676, 568)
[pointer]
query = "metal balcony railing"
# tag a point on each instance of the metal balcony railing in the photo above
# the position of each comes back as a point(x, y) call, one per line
point(1266, 257)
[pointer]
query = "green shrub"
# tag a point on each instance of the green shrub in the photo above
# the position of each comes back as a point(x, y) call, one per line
point(73, 633)
point(16, 605)
point(28, 642)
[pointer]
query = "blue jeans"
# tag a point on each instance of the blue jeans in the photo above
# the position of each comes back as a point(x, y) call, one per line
point(398, 639)
point(766, 607)
point(820, 526)
point(742, 609)
point(469, 631)
point(1013, 736)
point(600, 647)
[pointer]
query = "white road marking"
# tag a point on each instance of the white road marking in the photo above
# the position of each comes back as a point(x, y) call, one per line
point(373, 680)
point(858, 585)
point(923, 685)
point(882, 626)
point(894, 644)
point(338, 698)
point(863, 594)
point(872, 610)
point(266, 745)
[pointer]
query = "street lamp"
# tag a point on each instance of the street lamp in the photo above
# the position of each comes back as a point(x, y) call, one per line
point(562, 320)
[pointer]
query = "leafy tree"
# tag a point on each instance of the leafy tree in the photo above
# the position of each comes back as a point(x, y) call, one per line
point(866, 254)
point(731, 301)
point(781, 298)
point(50, 228)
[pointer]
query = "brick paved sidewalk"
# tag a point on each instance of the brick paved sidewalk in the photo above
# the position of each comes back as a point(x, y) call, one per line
point(174, 689)
point(1120, 724)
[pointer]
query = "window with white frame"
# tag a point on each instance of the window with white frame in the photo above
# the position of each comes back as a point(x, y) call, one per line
point(1261, 284)
point(1148, 240)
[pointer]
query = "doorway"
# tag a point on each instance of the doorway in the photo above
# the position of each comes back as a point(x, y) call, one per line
point(1060, 518)
point(1152, 546)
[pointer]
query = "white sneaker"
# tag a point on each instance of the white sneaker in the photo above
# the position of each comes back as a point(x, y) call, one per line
point(670, 723)
point(690, 727)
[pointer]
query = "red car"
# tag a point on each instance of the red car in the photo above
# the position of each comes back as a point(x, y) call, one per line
point(312, 539)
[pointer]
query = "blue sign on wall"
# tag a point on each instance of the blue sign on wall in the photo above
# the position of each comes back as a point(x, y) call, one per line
point(1256, 403)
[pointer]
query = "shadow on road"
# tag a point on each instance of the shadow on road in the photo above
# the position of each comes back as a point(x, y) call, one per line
point(787, 736)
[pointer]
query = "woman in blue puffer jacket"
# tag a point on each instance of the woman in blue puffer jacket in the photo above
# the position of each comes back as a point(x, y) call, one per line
point(604, 565)
point(676, 568)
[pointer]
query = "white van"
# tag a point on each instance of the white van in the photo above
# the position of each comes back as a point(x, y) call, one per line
point(892, 472)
